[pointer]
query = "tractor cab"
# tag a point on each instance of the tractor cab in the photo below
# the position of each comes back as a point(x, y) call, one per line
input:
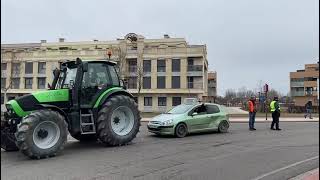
point(85, 79)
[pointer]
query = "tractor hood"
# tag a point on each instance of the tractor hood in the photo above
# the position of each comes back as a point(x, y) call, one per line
point(23, 105)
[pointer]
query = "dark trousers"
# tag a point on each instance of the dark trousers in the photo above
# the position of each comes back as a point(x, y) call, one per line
point(252, 119)
point(275, 119)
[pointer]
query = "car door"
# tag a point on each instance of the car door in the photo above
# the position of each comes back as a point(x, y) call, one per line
point(197, 118)
point(214, 115)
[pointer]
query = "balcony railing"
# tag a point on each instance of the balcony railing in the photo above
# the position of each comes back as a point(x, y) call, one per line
point(212, 85)
point(297, 84)
point(297, 93)
point(194, 85)
point(3, 73)
point(195, 67)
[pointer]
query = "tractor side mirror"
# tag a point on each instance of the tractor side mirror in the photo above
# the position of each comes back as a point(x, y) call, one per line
point(85, 67)
point(123, 84)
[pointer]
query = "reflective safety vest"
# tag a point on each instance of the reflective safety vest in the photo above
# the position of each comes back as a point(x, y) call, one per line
point(273, 107)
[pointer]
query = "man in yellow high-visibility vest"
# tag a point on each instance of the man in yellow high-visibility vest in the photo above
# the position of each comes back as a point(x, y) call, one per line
point(275, 109)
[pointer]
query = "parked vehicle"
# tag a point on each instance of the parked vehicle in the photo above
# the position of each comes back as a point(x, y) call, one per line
point(190, 117)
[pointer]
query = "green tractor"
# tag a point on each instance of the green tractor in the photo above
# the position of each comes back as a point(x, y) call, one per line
point(86, 99)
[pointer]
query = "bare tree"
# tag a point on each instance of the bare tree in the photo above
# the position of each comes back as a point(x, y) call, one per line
point(140, 72)
point(120, 56)
point(14, 73)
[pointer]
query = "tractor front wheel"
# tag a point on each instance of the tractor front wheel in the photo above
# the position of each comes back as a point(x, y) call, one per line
point(41, 134)
point(118, 121)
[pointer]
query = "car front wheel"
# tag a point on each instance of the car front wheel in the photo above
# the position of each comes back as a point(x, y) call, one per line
point(181, 130)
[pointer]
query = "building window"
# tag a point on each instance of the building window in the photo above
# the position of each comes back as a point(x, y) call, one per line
point(16, 69)
point(147, 101)
point(132, 83)
point(161, 82)
point(135, 99)
point(190, 82)
point(3, 67)
point(28, 68)
point(42, 67)
point(41, 83)
point(190, 61)
point(15, 83)
point(146, 65)
point(162, 101)
point(175, 83)
point(2, 99)
point(133, 65)
point(28, 83)
point(161, 65)
point(175, 65)
point(146, 82)
point(310, 79)
point(176, 101)
point(3, 83)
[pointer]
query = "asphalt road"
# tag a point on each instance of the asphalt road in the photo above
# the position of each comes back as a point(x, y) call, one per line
point(239, 154)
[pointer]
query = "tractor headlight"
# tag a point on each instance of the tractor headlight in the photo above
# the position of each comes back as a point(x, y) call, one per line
point(167, 123)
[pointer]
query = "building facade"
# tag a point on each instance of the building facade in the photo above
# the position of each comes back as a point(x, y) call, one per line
point(212, 87)
point(160, 73)
point(304, 85)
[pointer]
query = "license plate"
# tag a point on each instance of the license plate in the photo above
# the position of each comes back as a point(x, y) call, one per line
point(153, 126)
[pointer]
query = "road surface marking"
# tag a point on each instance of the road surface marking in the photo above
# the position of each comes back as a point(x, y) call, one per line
point(283, 168)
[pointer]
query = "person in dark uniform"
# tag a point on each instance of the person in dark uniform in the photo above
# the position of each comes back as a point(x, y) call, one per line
point(275, 109)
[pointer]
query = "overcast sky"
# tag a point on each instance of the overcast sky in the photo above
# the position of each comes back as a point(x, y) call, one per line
point(247, 40)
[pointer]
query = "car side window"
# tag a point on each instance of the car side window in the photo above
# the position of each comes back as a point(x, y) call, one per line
point(212, 109)
point(200, 110)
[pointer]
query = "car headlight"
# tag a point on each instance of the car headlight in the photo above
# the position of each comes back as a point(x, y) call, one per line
point(167, 123)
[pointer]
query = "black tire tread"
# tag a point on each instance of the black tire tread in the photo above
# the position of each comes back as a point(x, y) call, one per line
point(30, 121)
point(102, 124)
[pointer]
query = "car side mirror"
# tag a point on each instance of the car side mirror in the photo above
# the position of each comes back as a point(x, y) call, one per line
point(194, 114)
point(85, 67)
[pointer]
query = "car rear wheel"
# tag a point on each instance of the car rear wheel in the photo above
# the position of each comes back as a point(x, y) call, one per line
point(181, 130)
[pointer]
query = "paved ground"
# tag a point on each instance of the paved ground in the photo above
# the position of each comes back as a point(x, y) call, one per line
point(239, 154)
point(263, 119)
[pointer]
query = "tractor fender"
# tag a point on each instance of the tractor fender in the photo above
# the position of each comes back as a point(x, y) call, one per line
point(113, 92)
point(55, 108)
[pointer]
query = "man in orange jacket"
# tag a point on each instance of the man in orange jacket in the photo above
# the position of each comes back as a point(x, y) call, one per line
point(252, 112)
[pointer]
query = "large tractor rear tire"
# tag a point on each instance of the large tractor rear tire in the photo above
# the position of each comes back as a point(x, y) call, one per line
point(118, 121)
point(42, 134)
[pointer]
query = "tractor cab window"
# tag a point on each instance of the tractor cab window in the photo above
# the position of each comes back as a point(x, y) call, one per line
point(98, 77)
point(66, 78)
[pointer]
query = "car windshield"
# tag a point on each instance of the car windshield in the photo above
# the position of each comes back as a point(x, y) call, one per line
point(180, 109)
point(66, 77)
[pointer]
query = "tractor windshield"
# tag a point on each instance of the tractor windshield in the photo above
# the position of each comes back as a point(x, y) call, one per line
point(66, 78)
